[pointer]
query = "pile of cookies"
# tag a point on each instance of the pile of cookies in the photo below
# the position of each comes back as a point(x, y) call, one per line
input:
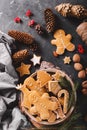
point(43, 96)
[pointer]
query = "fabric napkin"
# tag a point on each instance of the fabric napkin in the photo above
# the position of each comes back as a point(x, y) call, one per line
point(10, 116)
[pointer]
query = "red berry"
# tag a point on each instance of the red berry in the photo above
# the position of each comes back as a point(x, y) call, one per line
point(17, 20)
point(28, 13)
point(31, 23)
point(80, 49)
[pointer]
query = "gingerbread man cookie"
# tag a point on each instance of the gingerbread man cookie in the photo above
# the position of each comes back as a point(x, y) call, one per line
point(62, 42)
point(32, 84)
point(43, 106)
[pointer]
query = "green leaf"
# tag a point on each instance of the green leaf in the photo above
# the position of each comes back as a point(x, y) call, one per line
point(76, 85)
point(70, 123)
point(65, 84)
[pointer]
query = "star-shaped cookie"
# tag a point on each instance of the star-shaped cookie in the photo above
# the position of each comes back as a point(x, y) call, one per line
point(23, 69)
point(36, 59)
point(67, 60)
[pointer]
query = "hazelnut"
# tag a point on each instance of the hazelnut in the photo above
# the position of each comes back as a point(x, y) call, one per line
point(85, 118)
point(86, 70)
point(82, 74)
point(76, 58)
point(78, 66)
point(84, 91)
point(84, 84)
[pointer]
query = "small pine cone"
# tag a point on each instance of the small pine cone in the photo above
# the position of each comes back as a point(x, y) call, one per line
point(33, 47)
point(67, 9)
point(64, 9)
point(79, 11)
point(21, 37)
point(39, 29)
point(20, 56)
point(50, 20)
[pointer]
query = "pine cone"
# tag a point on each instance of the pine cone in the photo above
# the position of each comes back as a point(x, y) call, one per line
point(20, 56)
point(50, 20)
point(39, 29)
point(33, 47)
point(67, 9)
point(79, 11)
point(64, 9)
point(21, 37)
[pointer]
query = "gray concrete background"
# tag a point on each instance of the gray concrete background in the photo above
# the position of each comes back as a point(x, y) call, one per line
point(9, 9)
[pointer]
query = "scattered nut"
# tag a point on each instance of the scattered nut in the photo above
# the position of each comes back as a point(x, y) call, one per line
point(76, 58)
point(86, 70)
point(78, 66)
point(84, 84)
point(55, 54)
point(81, 74)
point(85, 118)
point(84, 91)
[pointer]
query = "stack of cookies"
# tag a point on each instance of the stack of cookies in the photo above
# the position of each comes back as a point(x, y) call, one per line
point(44, 97)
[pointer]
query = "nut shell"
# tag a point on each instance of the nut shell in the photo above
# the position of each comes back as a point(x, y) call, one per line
point(78, 66)
point(84, 84)
point(84, 91)
point(76, 58)
point(82, 74)
point(85, 118)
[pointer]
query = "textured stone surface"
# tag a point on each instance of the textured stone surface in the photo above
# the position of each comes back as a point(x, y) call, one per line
point(9, 9)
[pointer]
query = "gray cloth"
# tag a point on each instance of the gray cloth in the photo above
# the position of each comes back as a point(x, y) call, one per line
point(10, 116)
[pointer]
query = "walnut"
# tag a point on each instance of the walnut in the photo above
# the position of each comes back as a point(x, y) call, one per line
point(76, 58)
point(82, 74)
point(84, 87)
point(84, 84)
point(78, 66)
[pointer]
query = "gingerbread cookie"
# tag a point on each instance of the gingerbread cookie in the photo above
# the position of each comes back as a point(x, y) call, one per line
point(62, 42)
point(59, 109)
point(52, 117)
point(43, 96)
point(25, 92)
point(23, 69)
point(53, 87)
point(66, 99)
point(32, 84)
point(43, 105)
point(57, 75)
point(67, 60)
point(29, 97)
point(43, 77)
point(36, 59)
